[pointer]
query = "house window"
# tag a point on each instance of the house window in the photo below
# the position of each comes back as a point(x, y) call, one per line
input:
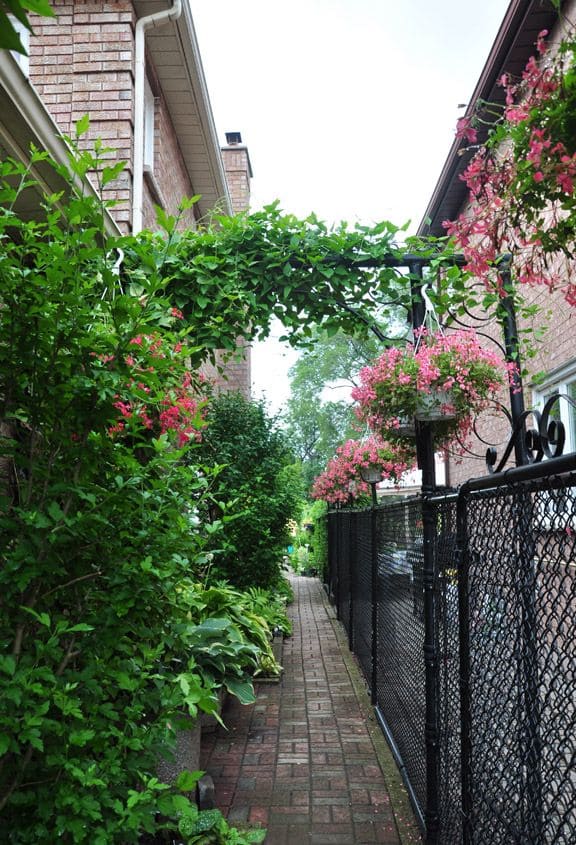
point(149, 126)
point(564, 384)
point(24, 34)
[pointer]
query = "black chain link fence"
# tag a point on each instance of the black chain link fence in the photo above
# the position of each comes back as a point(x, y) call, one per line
point(503, 607)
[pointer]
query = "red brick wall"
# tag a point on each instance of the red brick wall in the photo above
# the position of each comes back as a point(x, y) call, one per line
point(237, 167)
point(82, 62)
point(237, 372)
point(170, 173)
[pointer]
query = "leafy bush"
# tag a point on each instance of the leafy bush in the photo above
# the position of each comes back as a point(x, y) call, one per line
point(257, 474)
point(99, 528)
point(245, 613)
point(314, 536)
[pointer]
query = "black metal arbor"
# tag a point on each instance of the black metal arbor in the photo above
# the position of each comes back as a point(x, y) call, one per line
point(469, 649)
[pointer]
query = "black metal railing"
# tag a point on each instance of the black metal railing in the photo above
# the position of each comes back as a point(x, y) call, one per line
point(492, 759)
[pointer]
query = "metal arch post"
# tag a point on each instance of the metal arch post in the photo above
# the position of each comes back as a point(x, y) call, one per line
point(426, 463)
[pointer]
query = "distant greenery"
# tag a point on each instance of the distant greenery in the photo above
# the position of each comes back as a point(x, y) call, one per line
point(316, 424)
point(311, 545)
point(258, 483)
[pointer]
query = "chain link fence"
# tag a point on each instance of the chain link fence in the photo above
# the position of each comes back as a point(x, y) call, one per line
point(488, 748)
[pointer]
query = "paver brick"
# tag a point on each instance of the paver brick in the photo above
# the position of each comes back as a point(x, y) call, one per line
point(300, 760)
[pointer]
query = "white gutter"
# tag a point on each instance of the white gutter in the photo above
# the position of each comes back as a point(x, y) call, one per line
point(156, 19)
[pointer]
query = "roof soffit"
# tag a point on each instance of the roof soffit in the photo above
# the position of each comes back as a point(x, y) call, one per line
point(513, 46)
point(174, 52)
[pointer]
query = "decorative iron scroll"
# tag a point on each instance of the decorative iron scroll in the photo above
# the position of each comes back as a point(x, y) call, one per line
point(545, 438)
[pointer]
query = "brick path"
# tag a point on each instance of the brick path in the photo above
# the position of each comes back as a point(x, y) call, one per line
point(306, 760)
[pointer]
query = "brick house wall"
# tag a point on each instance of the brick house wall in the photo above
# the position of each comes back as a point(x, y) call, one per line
point(552, 332)
point(170, 176)
point(82, 62)
point(237, 374)
point(238, 173)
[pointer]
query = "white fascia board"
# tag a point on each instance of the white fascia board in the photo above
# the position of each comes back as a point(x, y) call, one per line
point(195, 73)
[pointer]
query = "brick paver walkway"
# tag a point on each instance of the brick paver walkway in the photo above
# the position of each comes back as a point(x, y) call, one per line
point(305, 760)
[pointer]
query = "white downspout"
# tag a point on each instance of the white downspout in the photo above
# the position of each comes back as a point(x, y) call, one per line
point(156, 19)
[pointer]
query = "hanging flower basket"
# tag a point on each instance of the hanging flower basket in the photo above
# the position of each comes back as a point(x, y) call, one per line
point(435, 406)
point(445, 380)
point(343, 479)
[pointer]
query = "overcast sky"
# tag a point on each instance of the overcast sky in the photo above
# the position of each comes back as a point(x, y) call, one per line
point(348, 107)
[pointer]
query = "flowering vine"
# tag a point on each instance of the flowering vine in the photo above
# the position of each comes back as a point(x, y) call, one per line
point(341, 480)
point(158, 394)
point(522, 180)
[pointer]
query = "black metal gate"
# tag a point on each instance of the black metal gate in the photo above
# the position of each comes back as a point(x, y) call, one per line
point(491, 759)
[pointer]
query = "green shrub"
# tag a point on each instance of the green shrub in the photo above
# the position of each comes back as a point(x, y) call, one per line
point(258, 476)
point(99, 528)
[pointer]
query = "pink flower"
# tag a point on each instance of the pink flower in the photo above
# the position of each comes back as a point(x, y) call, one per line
point(465, 130)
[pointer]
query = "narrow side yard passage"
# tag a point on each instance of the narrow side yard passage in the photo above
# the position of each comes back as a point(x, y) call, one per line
point(307, 759)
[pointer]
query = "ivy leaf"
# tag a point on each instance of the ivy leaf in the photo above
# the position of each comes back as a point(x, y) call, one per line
point(82, 125)
point(4, 744)
point(7, 664)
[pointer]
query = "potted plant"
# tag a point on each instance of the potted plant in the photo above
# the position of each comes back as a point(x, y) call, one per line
point(445, 379)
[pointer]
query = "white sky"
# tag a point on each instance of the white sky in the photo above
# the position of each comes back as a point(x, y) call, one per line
point(348, 107)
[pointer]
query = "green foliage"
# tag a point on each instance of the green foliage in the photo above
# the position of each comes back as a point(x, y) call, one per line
point(9, 38)
point(312, 538)
point(258, 475)
point(231, 279)
point(315, 425)
point(271, 607)
point(244, 621)
point(210, 827)
point(100, 540)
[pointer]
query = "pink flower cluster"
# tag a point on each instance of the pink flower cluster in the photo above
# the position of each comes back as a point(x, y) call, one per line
point(456, 364)
point(521, 189)
point(341, 480)
point(158, 402)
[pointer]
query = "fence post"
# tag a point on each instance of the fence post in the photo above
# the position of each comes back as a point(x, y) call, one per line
point(426, 463)
point(337, 555)
point(353, 569)
point(464, 651)
point(529, 672)
point(374, 586)
point(432, 814)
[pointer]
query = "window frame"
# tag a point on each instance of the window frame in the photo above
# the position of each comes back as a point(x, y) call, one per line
point(562, 382)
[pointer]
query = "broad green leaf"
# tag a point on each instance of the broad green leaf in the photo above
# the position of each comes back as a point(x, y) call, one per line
point(243, 690)
point(186, 781)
